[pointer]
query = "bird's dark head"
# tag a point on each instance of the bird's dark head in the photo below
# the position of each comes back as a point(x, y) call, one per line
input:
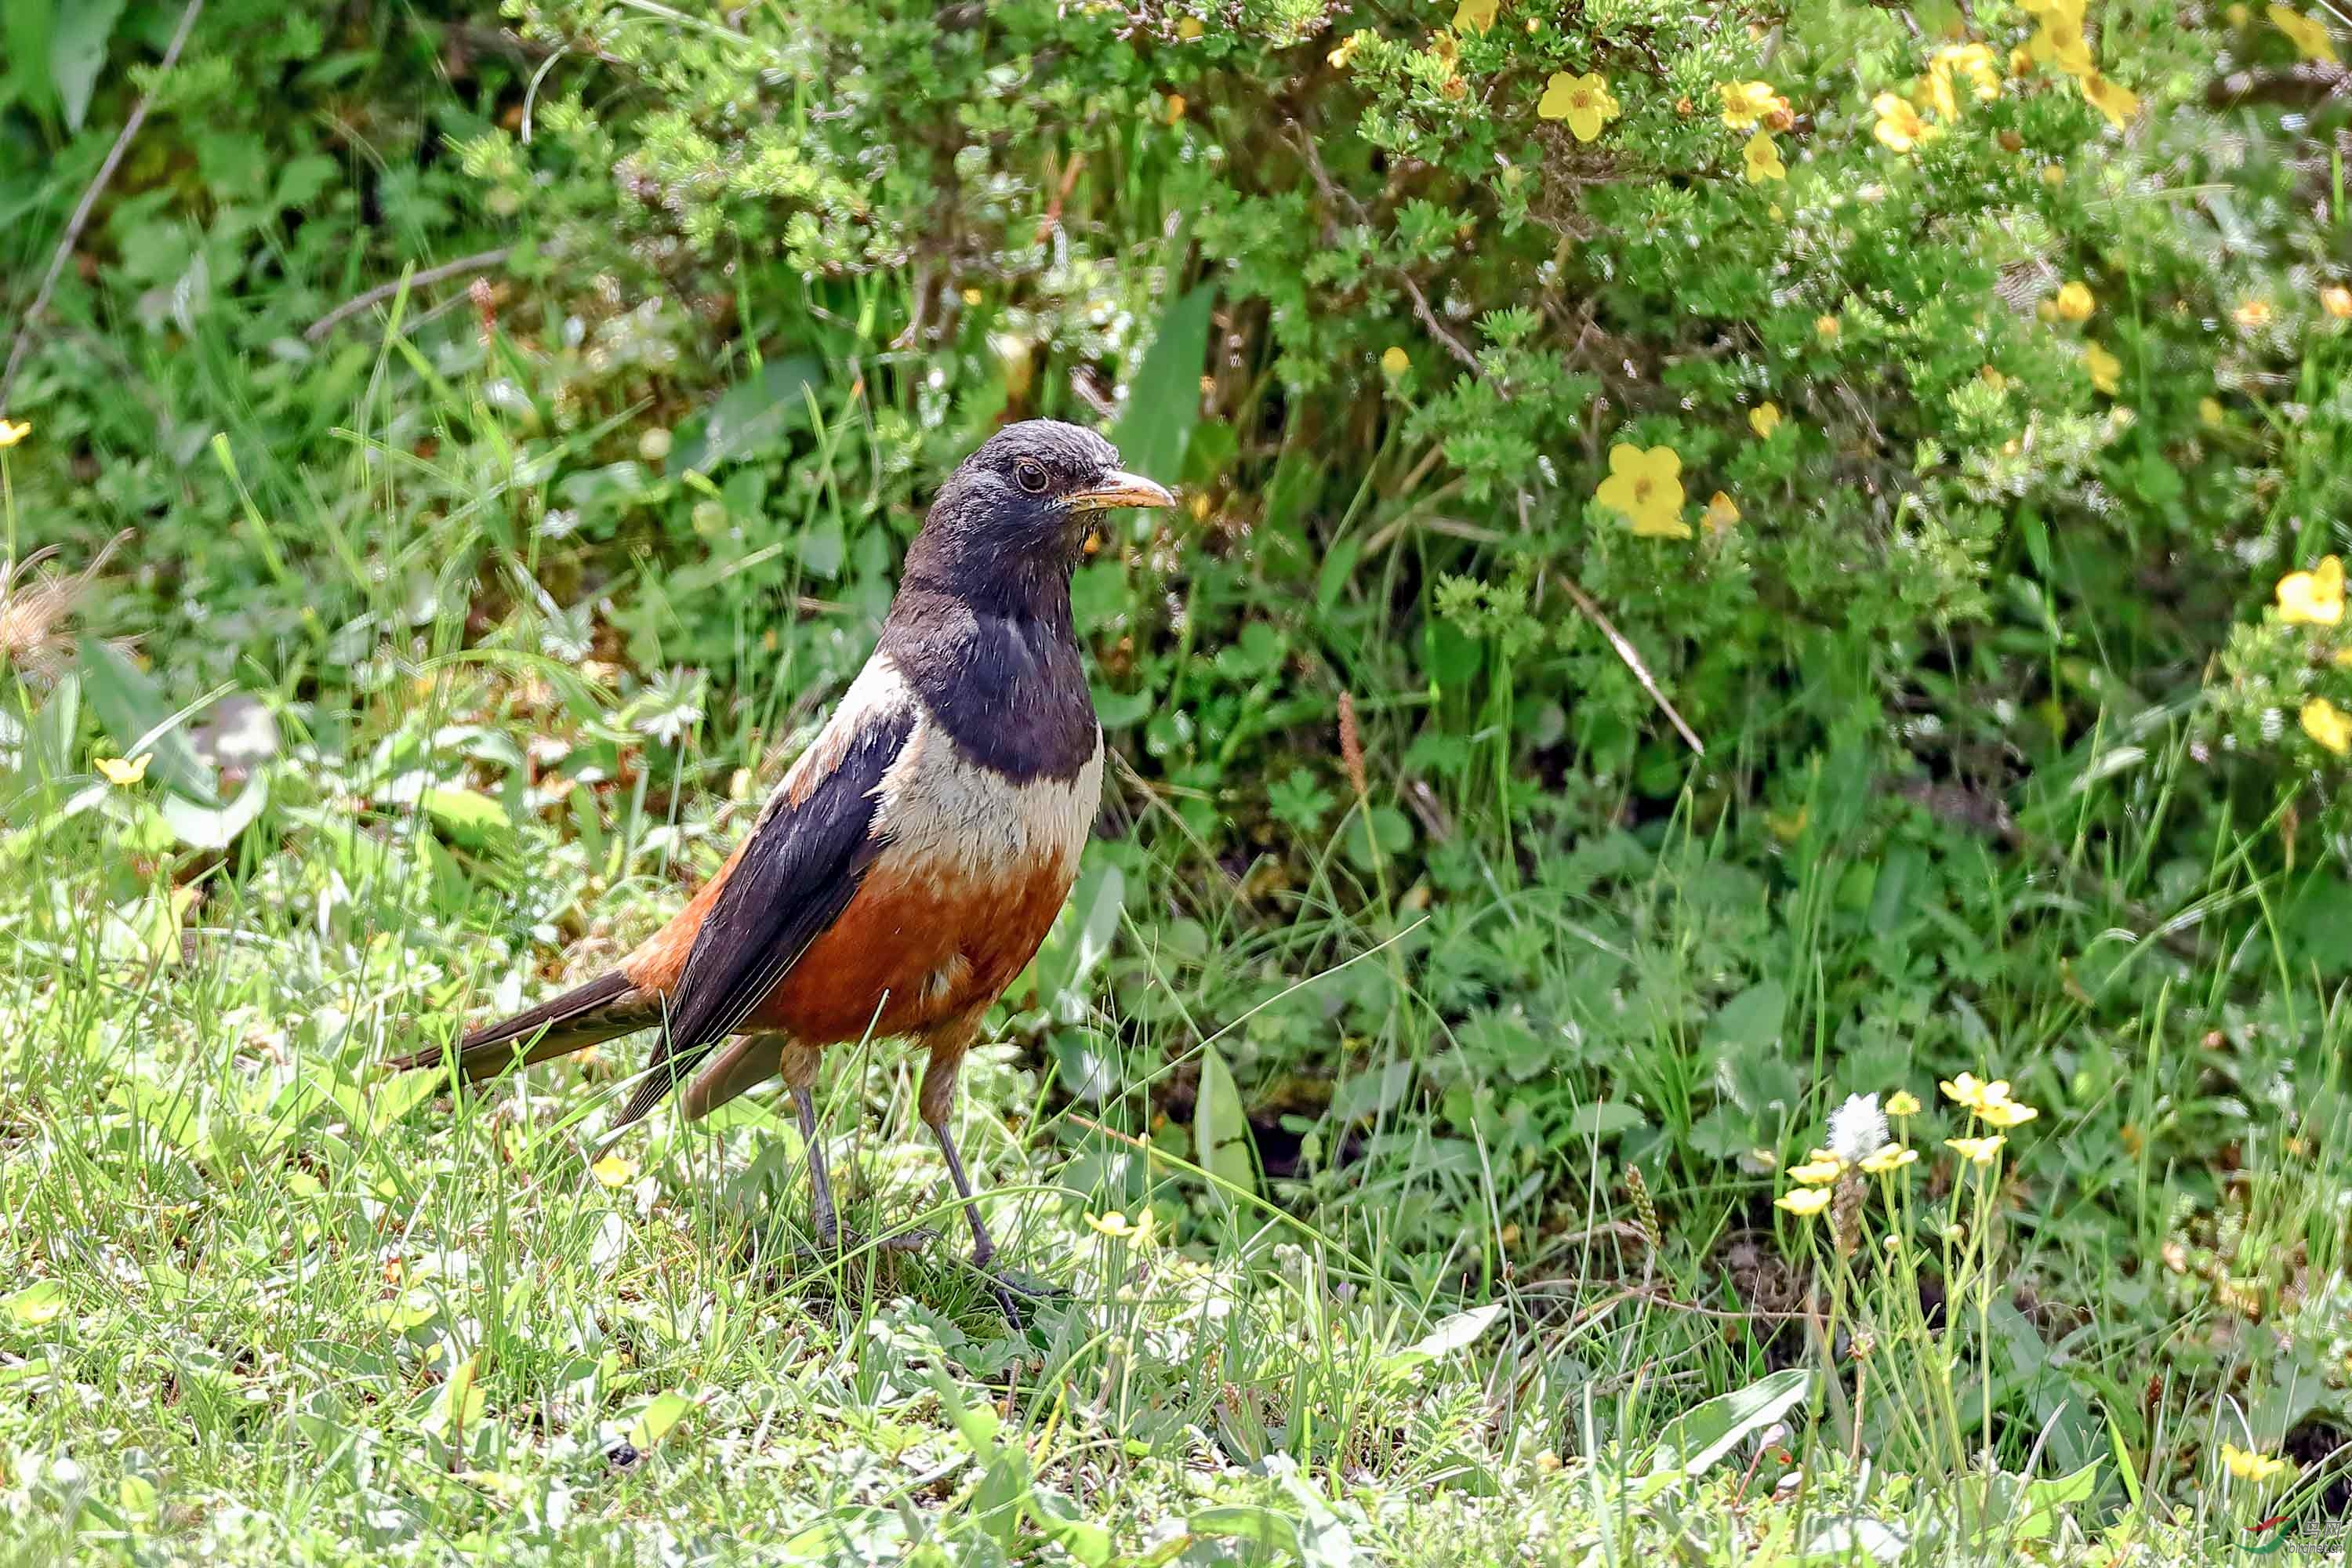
point(1010, 523)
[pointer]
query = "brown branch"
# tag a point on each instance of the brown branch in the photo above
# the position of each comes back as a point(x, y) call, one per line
point(481, 261)
point(82, 209)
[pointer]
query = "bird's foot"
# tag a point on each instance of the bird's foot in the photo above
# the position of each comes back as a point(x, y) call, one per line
point(1011, 1287)
point(846, 1243)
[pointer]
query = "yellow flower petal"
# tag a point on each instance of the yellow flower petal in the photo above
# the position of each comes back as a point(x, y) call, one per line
point(2309, 36)
point(1827, 328)
point(14, 431)
point(1900, 127)
point(1721, 512)
point(1764, 418)
point(1891, 1158)
point(1647, 488)
point(1395, 362)
point(1747, 104)
point(613, 1171)
point(1189, 27)
point(2210, 410)
point(2252, 314)
point(2007, 1113)
point(1818, 1172)
point(123, 775)
point(2312, 598)
point(1763, 159)
point(1805, 1202)
point(2118, 102)
point(1475, 15)
point(1584, 102)
point(2106, 369)
point(1976, 1151)
point(1112, 1223)
point(2328, 724)
point(2076, 301)
point(1902, 1102)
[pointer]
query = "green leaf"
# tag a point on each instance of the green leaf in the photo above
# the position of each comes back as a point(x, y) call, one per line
point(28, 26)
point(78, 53)
point(1451, 1334)
point(1604, 1118)
point(1246, 1521)
point(1163, 403)
point(42, 1301)
point(653, 1423)
point(466, 816)
point(751, 418)
point(1706, 1434)
point(388, 1101)
point(215, 827)
point(133, 712)
point(1221, 1133)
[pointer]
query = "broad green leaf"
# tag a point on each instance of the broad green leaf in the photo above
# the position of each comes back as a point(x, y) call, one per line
point(1705, 1435)
point(136, 718)
point(42, 1301)
point(1247, 1521)
point(1605, 1118)
point(459, 1404)
point(215, 827)
point(78, 53)
point(1221, 1133)
point(752, 417)
point(661, 1412)
point(394, 1097)
point(1451, 1334)
point(466, 816)
point(1163, 401)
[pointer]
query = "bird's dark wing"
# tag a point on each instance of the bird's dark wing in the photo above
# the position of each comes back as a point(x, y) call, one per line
point(805, 859)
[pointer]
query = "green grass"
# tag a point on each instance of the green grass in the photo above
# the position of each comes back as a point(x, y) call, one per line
point(270, 1305)
point(1443, 1081)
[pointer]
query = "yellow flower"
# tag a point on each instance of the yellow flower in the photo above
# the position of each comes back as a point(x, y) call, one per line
point(1475, 15)
point(613, 1171)
point(2076, 301)
point(2312, 598)
point(14, 431)
point(2054, 175)
point(1954, 62)
point(2337, 301)
point(122, 775)
point(2252, 1467)
point(1584, 102)
point(1347, 50)
point(1395, 362)
point(1764, 418)
point(2007, 1113)
point(1647, 488)
point(2310, 38)
point(2059, 42)
point(1992, 378)
point(1721, 512)
point(1976, 1151)
point(1763, 159)
point(2252, 314)
point(1827, 328)
point(2106, 369)
point(1175, 107)
point(1899, 127)
point(1804, 1203)
point(1893, 1157)
point(2328, 724)
point(1118, 1228)
point(1902, 1102)
point(1189, 27)
point(2210, 410)
point(1746, 104)
point(2115, 100)
point(2238, 14)
point(1820, 1169)
point(1974, 1092)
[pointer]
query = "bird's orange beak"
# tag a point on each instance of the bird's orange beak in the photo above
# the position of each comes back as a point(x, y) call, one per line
point(1119, 488)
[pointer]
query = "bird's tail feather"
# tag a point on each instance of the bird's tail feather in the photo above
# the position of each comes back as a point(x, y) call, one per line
point(605, 1008)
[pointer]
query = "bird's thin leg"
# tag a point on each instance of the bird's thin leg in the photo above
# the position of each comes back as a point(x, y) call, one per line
point(828, 1227)
point(936, 1099)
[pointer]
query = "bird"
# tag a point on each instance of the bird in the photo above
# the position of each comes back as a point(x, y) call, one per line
point(909, 864)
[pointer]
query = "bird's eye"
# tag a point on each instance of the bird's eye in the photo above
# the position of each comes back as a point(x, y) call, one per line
point(1030, 475)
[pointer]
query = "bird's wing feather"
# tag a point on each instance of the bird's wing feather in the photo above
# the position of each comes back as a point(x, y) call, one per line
point(802, 865)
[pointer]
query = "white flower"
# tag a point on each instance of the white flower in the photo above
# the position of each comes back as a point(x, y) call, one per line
point(1857, 1128)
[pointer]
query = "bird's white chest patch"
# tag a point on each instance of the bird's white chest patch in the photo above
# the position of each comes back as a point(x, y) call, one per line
point(951, 818)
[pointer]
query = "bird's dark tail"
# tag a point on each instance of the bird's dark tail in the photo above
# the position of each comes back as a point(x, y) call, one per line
point(605, 1008)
